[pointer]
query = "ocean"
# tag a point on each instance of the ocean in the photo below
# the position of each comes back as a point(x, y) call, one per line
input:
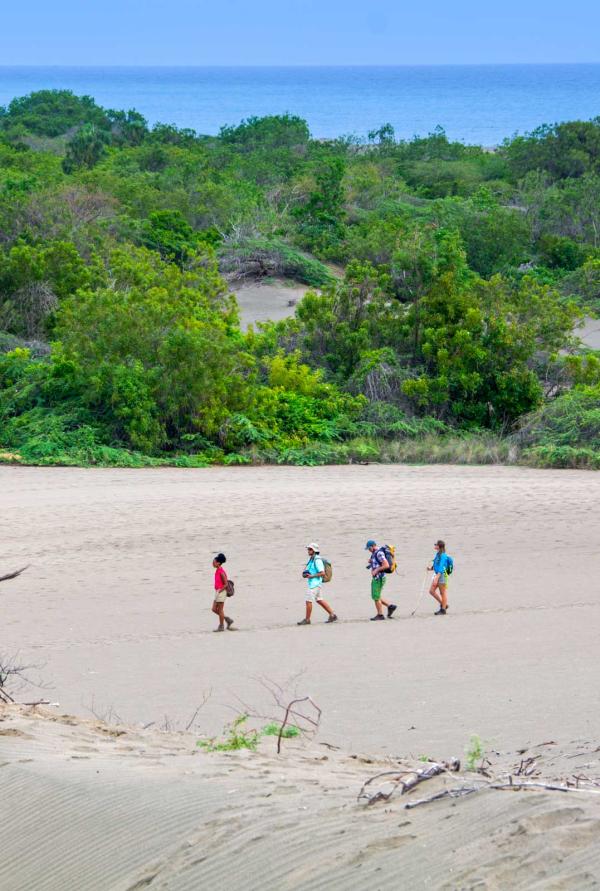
point(480, 104)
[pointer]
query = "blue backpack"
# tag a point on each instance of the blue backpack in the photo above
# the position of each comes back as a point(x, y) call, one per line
point(449, 565)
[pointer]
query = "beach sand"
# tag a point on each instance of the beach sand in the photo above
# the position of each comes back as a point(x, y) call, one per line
point(88, 806)
point(590, 333)
point(114, 611)
point(264, 301)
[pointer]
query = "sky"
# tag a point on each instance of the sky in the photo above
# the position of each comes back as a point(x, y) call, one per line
point(297, 32)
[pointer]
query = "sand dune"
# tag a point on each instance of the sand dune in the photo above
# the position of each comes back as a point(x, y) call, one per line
point(115, 610)
point(87, 806)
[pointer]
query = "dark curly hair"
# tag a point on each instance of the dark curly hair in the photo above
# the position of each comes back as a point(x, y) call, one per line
point(221, 558)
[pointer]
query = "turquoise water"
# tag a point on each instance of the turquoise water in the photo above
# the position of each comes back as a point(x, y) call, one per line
point(480, 103)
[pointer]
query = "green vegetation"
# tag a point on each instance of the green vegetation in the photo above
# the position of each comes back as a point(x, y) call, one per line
point(238, 736)
point(446, 284)
point(475, 752)
point(274, 729)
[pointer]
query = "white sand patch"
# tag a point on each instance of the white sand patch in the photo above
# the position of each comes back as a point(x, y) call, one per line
point(590, 333)
point(267, 301)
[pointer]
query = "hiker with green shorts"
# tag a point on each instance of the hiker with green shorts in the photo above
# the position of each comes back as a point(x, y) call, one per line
point(441, 565)
point(378, 564)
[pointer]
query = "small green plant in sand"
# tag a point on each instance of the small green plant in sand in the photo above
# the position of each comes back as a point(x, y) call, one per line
point(237, 736)
point(274, 729)
point(475, 752)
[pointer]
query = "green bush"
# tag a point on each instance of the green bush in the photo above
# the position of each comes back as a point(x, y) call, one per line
point(260, 258)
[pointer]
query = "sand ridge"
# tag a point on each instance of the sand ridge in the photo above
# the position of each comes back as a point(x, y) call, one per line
point(143, 808)
point(115, 609)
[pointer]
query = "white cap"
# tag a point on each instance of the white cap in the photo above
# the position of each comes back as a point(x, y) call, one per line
point(313, 546)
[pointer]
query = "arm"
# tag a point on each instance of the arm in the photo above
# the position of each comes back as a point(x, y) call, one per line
point(381, 567)
point(222, 579)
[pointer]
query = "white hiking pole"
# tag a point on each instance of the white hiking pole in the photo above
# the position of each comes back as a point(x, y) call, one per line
point(423, 586)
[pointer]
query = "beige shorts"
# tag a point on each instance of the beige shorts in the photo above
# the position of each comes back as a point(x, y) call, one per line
point(313, 595)
point(220, 596)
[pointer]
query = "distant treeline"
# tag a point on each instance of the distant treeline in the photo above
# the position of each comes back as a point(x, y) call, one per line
point(447, 281)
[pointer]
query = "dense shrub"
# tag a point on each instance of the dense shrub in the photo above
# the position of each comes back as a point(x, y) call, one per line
point(450, 323)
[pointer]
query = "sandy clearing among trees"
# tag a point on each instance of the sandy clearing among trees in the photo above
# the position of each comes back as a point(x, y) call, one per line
point(272, 301)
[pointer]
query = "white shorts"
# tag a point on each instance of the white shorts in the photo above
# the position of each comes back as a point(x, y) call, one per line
point(314, 594)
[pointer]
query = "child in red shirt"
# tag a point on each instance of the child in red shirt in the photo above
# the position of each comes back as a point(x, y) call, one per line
point(218, 606)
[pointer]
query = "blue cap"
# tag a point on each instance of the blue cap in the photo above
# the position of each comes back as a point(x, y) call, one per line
point(369, 544)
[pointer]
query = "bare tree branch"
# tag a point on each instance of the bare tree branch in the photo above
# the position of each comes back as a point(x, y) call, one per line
point(205, 698)
point(288, 711)
point(14, 672)
point(405, 780)
point(13, 575)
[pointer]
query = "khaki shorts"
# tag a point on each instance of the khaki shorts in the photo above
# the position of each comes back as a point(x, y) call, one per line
point(220, 596)
point(313, 595)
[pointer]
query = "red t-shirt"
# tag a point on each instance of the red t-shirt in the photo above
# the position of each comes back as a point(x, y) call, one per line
point(220, 578)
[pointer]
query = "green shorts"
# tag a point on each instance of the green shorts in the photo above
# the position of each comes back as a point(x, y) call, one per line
point(377, 587)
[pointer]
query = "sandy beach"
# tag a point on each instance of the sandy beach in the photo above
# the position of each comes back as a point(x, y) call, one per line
point(269, 301)
point(114, 612)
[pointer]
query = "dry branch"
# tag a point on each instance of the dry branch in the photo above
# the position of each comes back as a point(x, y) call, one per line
point(405, 780)
point(13, 575)
point(13, 672)
point(510, 786)
point(299, 715)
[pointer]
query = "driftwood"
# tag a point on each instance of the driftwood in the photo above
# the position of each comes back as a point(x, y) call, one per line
point(405, 780)
point(461, 791)
point(13, 575)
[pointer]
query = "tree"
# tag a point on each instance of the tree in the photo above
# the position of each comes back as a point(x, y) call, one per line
point(565, 150)
point(383, 135)
point(156, 353)
point(321, 218)
point(86, 148)
point(52, 113)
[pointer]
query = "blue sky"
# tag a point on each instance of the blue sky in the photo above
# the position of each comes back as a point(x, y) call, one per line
point(297, 32)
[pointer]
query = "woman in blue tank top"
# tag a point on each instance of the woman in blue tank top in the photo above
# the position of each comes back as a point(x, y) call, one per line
point(439, 583)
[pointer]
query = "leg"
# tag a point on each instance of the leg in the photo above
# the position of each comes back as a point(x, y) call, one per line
point(391, 607)
point(376, 589)
point(326, 607)
point(309, 600)
point(434, 591)
point(444, 596)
